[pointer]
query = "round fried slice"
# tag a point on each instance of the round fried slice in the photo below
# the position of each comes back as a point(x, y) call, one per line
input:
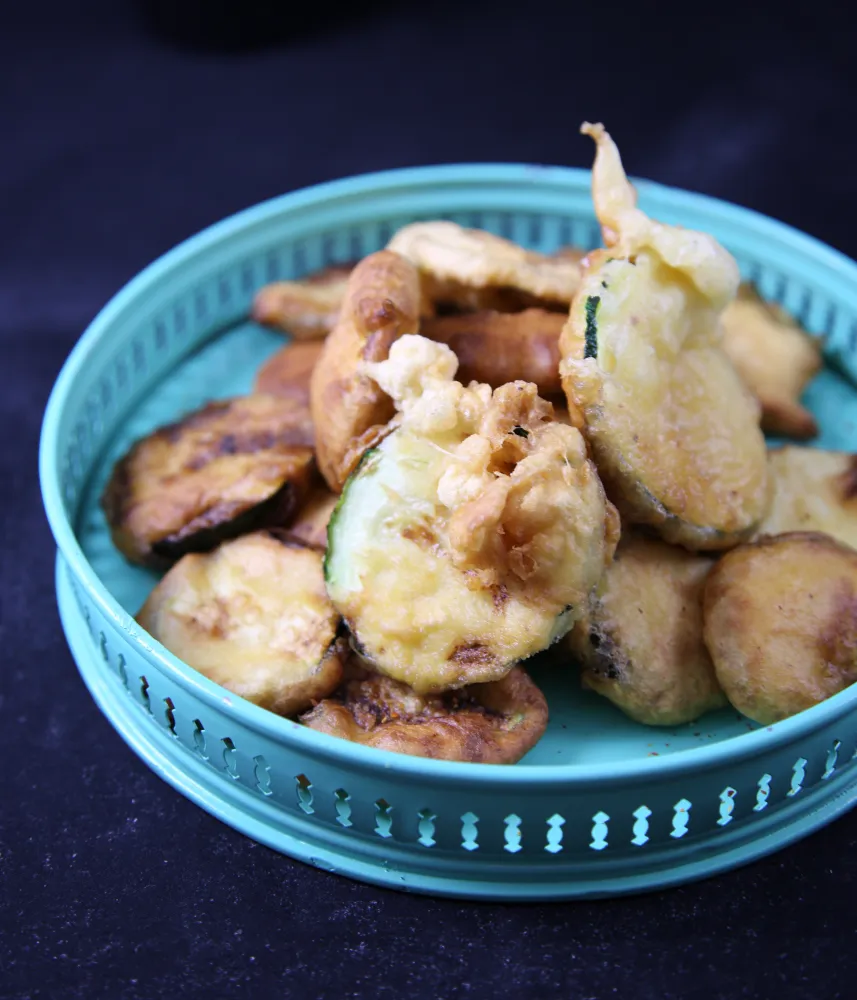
point(493, 723)
point(780, 620)
point(231, 467)
point(775, 358)
point(813, 490)
point(674, 431)
point(350, 411)
point(473, 535)
point(309, 526)
point(497, 347)
point(641, 643)
point(254, 617)
point(307, 309)
point(287, 373)
point(457, 262)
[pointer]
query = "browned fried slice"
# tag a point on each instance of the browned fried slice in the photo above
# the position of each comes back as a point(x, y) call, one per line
point(231, 467)
point(307, 309)
point(494, 723)
point(813, 490)
point(349, 410)
point(469, 267)
point(287, 373)
point(775, 358)
point(641, 643)
point(253, 616)
point(781, 623)
point(309, 526)
point(497, 347)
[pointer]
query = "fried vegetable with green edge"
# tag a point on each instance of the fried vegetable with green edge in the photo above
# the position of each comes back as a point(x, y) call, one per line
point(471, 537)
point(494, 723)
point(780, 622)
point(813, 490)
point(674, 432)
point(640, 643)
point(254, 617)
point(350, 411)
point(775, 358)
point(232, 467)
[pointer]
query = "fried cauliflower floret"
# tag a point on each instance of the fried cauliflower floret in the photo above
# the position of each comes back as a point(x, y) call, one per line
point(473, 535)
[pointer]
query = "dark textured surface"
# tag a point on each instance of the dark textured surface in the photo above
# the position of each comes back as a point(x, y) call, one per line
point(116, 146)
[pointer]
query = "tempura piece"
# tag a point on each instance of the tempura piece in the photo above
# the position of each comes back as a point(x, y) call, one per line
point(775, 358)
point(309, 525)
point(641, 642)
point(472, 536)
point(350, 410)
point(813, 490)
point(674, 432)
point(254, 617)
point(470, 267)
point(497, 347)
point(781, 623)
point(287, 373)
point(495, 723)
point(307, 309)
point(229, 468)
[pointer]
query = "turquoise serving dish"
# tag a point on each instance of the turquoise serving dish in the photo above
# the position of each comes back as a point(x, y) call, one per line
point(601, 805)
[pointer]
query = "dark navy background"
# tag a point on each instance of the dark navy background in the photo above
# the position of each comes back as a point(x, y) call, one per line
point(121, 135)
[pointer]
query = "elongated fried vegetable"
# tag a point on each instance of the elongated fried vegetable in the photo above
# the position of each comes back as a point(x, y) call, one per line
point(254, 617)
point(781, 623)
point(813, 490)
point(674, 432)
point(496, 347)
point(349, 410)
point(775, 358)
point(307, 309)
point(474, 533)
point(473, 269)
point(641, 642)
point(288, 372)
point(231, 467)
point(493, 723)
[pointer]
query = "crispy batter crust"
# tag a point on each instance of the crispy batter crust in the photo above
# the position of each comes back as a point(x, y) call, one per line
point(226, 469)
point(494, 723)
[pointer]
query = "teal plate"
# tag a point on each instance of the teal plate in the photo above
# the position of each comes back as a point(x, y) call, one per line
point(601, 805)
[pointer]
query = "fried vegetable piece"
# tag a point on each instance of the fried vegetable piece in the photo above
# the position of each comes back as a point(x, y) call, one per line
point(229, 468)
point(674, 431)
point(473, 535)
point(497, 347)
point(309, 526)
point(473, 269)
point(775, 358)
point(813, 490)
point(287, 372)
point(351, 411)
point(781, 623)
point(494, 723)
point(641, 643)
point(307, 309)
point(253, 616)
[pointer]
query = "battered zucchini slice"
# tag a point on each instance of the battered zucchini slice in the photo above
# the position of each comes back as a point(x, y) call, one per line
point(673, 430)
point(494, 723)
point(813, 490)
point(471, 537)
point(497, 348)
point(229, 468)
point(287, 373)
point(775, 358)
point(254, 617)
point(640, 644)
point(307, 309)
point(781, 623)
